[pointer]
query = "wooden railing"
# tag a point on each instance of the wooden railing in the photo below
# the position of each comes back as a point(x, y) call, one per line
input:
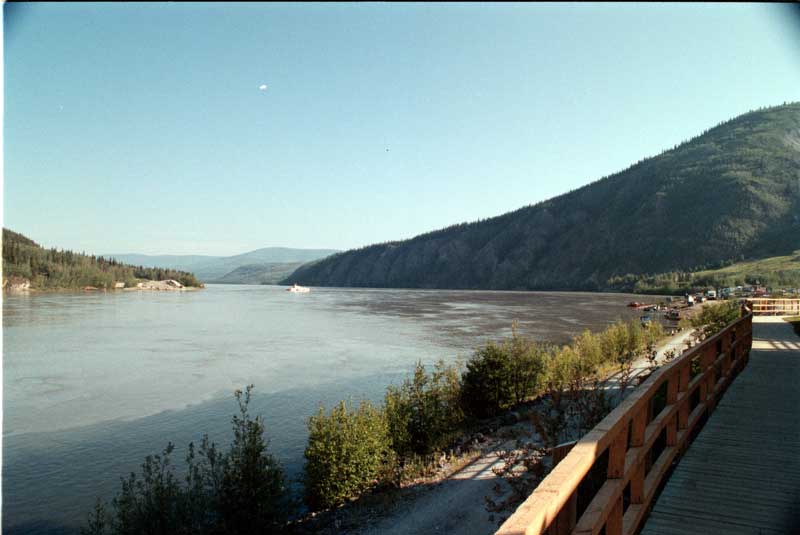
point(764, 306)
point(610, 477)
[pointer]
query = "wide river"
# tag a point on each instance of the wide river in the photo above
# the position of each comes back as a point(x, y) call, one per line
point(94, 382)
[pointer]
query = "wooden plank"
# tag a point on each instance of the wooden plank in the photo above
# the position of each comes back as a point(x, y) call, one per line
point(616, 455)
point(566, 519)
point(614, 521)
point(741, 473)
point(600, 508)
point(638, 426)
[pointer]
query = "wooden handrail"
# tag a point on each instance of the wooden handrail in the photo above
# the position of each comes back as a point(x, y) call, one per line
point(767, 306)
point(637, 447)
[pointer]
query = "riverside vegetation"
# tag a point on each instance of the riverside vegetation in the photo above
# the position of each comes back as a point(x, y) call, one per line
point(242, 490)
point(24, 259)
point(360, 448)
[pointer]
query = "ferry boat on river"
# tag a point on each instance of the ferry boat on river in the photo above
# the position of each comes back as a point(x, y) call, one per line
point(298, 289)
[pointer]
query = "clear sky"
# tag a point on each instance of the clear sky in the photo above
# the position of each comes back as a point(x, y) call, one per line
point(143, 127)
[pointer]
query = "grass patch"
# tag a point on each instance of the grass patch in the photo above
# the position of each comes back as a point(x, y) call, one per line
point(777, 271)
point(795, 321)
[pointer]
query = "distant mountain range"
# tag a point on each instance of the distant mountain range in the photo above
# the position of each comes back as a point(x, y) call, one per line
point(731, 193)
point(269, 264)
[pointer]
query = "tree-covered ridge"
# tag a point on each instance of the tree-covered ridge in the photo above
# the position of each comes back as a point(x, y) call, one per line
point(53, 268)
point(731, 193)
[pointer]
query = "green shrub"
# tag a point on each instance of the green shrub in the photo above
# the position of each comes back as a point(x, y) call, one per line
point(500, 375)
point(347, 453)
point(239, 492)
point(589, 346)
point(561, 371)
point(424, 412)
point(252, 490)
point(714, 318)
point(527, 363)
point(486, 382)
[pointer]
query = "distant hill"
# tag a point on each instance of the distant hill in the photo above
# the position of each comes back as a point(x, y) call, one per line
point(268, 273)
point(215, 268)
point(26, 260)
point(731, 193)
point(165, 261)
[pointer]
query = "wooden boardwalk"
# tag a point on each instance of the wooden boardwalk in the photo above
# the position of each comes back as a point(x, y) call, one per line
point(741, 475)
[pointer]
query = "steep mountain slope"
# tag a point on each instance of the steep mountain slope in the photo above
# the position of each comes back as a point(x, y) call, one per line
point(731, 193)
point(210, 268)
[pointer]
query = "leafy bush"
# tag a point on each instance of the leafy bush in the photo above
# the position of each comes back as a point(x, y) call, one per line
point(238, 492)
point(589, 346)
point(425, 411)
point(500, 375)
point(527, 363)
point(486, 382)
point(714, 318)
point(252, 490)
point(348, 452)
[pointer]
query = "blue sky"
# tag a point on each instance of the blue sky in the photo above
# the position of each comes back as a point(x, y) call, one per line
point(142, 128)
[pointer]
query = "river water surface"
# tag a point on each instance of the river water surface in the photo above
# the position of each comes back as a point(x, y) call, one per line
point(94, 382)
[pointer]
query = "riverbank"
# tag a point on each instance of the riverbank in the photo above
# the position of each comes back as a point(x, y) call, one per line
point(21, 286)
point(468, 495)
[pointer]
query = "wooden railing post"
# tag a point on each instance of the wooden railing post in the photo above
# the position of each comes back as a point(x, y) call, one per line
point(638, 425)
point(614, 521)
point(637, 484)
point(706, 363)
point(672, 398)
point(727, 344)
point(567, 517)
point(703, 388)
point(683, 386)
point(616, 455)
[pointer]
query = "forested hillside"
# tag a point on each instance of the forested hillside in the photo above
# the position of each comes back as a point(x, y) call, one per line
point(51, 268)
point(729, 194)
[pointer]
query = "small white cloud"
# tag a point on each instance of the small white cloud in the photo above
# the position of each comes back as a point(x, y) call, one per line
point(262, 87)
